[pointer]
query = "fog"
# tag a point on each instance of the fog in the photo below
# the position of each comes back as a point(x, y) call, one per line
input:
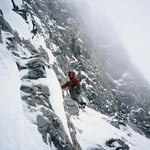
point(129, 18)
point(6, 5)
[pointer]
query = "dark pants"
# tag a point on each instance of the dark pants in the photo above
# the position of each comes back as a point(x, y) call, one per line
point(75, 96)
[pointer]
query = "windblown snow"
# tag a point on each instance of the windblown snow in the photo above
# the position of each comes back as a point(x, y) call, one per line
point(94, 128)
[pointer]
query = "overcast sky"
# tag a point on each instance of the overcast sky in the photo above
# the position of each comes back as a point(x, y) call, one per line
point(131, 20)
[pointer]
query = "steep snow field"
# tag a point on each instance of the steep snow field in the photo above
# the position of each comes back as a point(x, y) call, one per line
point(18, 129)
point(93, 129)
point(17, 132)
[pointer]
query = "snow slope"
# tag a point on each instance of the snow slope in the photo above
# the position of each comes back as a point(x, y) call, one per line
point(23, 30)
point(23, 126)
point(16, 21)
point(93, 129)
point(17, 133)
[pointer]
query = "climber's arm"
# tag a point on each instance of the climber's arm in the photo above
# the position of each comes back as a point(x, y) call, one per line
point(65, 85)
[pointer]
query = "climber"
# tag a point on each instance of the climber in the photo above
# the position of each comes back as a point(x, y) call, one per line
point(74, 89)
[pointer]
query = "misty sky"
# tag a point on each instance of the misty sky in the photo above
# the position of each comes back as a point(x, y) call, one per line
point(6, 5)
point(131, 20)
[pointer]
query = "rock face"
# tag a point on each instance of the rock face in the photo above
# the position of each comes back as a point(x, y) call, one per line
point(107, 89)
point(33, 63)
point(122, 145)
point(72, 107)
point(36, 95)
point(4, 24)
point(52, 129)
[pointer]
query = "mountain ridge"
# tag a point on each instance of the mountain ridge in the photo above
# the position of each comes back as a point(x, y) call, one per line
point(52, 44)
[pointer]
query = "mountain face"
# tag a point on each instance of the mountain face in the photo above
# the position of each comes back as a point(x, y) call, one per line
point(40, 42)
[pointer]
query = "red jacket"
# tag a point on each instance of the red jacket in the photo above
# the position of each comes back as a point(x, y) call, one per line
point(73, 82)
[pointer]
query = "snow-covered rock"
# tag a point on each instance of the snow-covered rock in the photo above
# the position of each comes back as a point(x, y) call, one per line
point(40, 41)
